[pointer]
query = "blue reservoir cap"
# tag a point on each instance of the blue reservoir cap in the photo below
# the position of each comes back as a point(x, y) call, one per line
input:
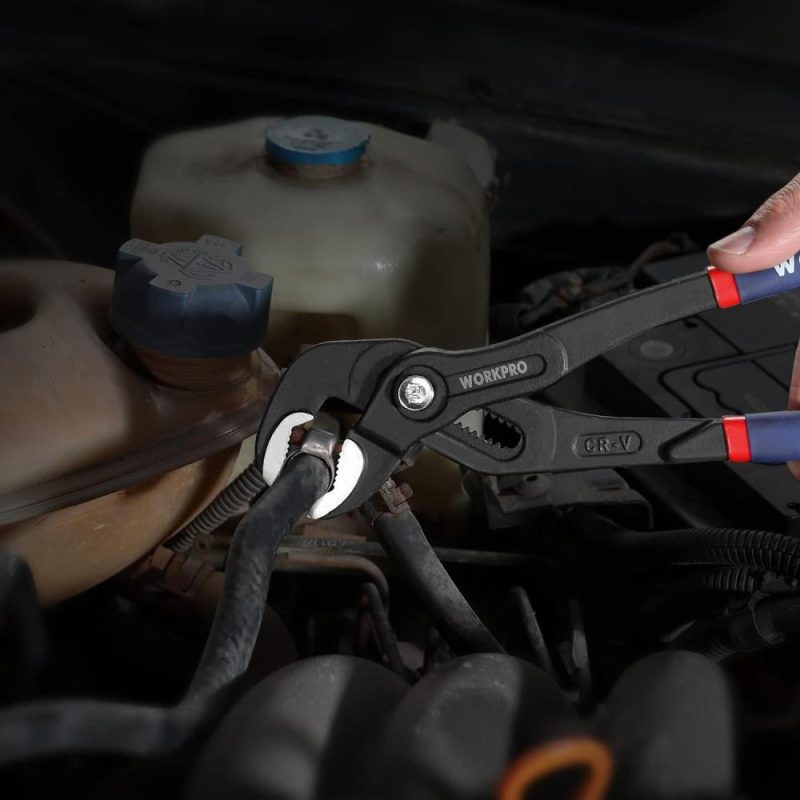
point(190, 299)
point(316, 140)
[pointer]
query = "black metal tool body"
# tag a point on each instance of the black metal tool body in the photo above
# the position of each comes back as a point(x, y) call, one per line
point(410, 395)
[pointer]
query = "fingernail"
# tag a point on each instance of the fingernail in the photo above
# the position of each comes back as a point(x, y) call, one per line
point(738, 242)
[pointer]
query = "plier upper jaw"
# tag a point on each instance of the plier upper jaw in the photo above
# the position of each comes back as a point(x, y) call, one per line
point(345, 371)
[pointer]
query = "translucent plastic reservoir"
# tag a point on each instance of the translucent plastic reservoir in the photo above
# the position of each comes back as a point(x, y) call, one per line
point(386, 237)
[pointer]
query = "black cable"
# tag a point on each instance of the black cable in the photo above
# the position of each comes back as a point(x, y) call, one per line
point(733, 580)
point(533, 632)
point(743, 628)
point(677, 603)
point(383, 629)
point(22, 616)
point(89, 726)
point(234, 499)
point(459, 625)
point(774, 552)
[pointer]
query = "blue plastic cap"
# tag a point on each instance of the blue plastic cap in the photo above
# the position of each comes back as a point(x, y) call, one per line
point(196, 300)
point(316, 140)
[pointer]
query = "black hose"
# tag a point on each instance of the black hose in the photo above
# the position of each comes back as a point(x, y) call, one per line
point(234, 499)
point(459, 625)
point(753, 626)
point(90, 726)
point(22, 616)
point(249, 569)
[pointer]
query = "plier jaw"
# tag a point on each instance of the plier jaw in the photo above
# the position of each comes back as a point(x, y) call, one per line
point(344, 371)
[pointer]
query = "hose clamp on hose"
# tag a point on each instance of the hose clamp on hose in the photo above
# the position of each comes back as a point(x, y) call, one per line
point(320, 444)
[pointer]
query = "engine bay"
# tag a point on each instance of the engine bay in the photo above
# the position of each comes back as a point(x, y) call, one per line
point(294, 313)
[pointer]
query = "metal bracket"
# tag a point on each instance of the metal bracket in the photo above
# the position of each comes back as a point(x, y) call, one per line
point(389, 499)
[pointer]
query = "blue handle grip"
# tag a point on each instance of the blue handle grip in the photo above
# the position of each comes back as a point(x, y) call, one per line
point(766, 282)
point(774, 437)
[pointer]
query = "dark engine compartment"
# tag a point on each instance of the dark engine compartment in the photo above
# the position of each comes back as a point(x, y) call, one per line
point(651, 609)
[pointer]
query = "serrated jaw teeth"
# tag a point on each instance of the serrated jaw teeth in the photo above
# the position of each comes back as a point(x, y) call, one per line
point(349, 467)
point(278, 445)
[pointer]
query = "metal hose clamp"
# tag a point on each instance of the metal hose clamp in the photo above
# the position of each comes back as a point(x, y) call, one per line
point(320, 444)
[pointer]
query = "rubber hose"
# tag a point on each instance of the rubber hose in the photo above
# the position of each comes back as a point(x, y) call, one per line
point(454, 618)
point(234, 499)
point(89, 726)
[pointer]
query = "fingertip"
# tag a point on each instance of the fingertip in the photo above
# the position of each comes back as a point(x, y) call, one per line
point(734, 252)
point(770, 236)
point(732, 263)
point(727, 262)
point(764, 253)
point(736, 243)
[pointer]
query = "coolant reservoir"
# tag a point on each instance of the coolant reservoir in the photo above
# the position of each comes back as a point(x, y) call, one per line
point(115, 436)
point(367, 232)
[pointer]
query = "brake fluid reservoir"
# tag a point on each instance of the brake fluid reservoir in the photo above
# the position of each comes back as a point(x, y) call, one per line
point(366, 231)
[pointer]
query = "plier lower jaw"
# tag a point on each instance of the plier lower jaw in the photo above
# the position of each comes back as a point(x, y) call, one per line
point(344, 372)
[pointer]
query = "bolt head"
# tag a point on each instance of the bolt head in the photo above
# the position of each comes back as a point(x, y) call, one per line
point(415, 393)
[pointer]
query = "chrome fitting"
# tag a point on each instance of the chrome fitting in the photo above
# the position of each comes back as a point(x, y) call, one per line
point(321, 445)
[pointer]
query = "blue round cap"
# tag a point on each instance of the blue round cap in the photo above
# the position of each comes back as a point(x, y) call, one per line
point(190, 299)
point(316, 140)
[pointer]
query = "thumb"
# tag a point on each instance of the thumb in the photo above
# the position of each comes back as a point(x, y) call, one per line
point(771, 235)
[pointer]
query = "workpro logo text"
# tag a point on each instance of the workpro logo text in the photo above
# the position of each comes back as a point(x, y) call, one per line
point(483, 377)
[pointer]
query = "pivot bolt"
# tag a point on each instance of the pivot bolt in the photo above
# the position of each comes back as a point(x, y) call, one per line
point(415, 393)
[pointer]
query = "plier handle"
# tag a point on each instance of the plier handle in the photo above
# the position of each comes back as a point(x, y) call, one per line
point(409, 395)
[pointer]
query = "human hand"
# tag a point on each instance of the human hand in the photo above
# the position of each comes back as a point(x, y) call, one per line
point(770, 236)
